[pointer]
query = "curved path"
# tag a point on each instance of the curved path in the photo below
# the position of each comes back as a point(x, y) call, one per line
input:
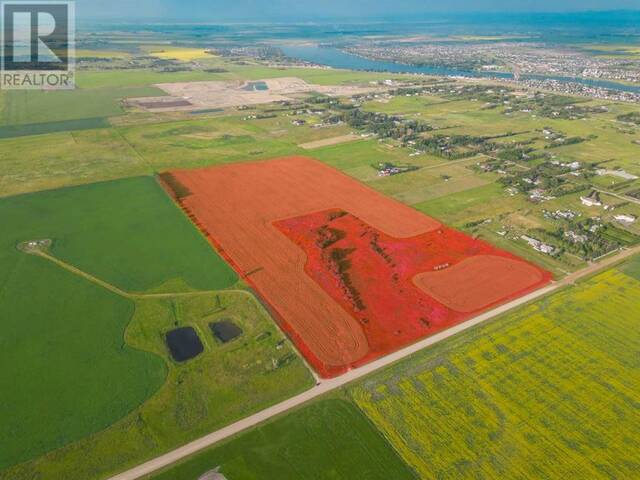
point(326, 386)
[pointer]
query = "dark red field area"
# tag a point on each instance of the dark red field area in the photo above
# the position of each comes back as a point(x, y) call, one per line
point(401, 290)
point(351, 274)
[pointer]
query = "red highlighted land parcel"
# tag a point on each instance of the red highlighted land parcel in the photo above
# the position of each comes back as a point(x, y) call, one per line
point(351, 275)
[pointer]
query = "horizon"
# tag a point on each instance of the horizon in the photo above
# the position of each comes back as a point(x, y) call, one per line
point(288, 11)
point(621, 22)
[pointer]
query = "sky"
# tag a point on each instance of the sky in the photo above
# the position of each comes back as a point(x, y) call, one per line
point(270, 10)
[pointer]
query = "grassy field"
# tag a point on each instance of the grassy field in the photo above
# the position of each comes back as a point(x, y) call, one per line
point(73, 158)
point(207, 141)
point(547, 392)
point(470, 205)
point(115, 79)
point(330, 439)
point(359, 158)
point(22, 107)
point(632, 268)
point(49, 339)
point(225, 383)
point(54, 325)
point(62, 159)
point(118, 231)
point(431, 183)
point(11, 131)
point(134, 401)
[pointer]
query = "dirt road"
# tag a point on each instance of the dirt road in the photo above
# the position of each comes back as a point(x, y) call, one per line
point(332, 384)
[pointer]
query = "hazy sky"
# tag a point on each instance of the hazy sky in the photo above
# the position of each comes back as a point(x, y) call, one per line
point(239, 10)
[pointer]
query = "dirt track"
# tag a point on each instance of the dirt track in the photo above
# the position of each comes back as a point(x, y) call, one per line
point(329, 385)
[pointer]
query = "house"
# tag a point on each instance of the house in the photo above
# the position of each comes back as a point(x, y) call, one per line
point(625, 218)
point(617, 173)
point(575, 237)
point(538, 245)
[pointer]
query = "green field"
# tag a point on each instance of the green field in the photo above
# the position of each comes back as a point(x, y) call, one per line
point(63, 159)
point(223, 384)
point(33, 106)
point(57, 399)
point(632, 268)
point(199, 142)
point(73, 158)
point(330, 439)
point(134, 402)
point(470, 205)
point(52, 127)
point(66, 372)
point(547, 392)
point(118, 231)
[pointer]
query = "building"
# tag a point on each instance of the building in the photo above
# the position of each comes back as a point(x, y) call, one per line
point(575, 237)
point(539, 246)
point(625, 218)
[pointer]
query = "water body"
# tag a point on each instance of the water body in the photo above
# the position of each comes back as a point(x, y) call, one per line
point(256, 87)
point(335, 58)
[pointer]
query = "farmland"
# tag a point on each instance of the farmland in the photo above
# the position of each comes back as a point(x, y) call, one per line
point(143, 147)
point(65, 420)
point(385, 238)
point(523, 397)
point(51, 398)
point(183, 54)
point(22, 107)
point(52, 127)
point(393, 286)
point(224, 383)
point(549, 391)
point(143, 212)
point(328, 439)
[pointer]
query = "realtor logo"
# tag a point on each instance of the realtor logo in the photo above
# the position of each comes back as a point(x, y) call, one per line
point(38, 45)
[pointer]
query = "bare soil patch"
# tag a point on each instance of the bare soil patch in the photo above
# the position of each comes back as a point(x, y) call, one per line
point(225, 94)
point(327, 142)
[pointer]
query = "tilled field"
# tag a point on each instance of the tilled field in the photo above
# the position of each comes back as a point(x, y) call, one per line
point(402, 290)
point(345, 301)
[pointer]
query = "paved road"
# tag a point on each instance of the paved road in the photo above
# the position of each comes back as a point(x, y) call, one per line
point(328, 385)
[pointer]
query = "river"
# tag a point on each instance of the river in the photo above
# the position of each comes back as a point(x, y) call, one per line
point(335, 58)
